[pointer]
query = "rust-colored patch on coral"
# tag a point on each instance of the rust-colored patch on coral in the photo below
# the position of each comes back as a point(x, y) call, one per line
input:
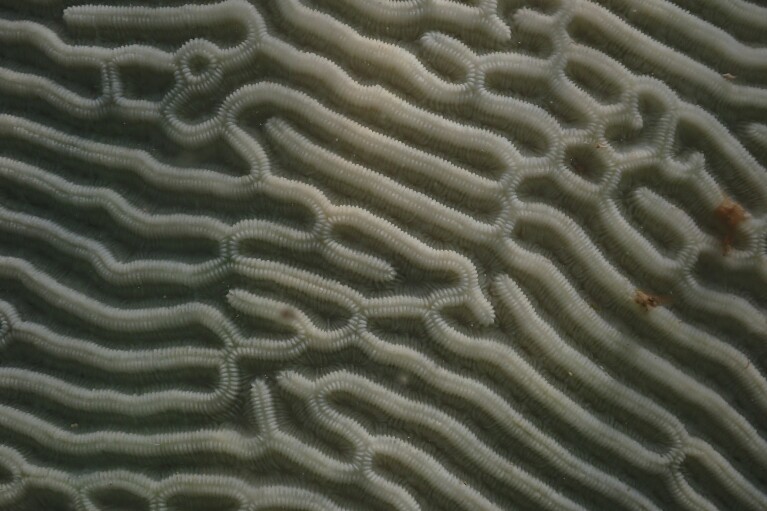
point(649, 301)
point(288, 314)
point(732, 215)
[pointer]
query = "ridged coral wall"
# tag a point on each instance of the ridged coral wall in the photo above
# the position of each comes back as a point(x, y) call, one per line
point(383, 255)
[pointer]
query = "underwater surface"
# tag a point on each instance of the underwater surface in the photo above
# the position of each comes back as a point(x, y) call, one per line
point(383, 255)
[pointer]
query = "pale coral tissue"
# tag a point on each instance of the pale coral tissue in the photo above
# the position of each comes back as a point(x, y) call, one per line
point(383, 255)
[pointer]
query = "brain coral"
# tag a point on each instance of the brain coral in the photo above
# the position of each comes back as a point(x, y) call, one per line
point(383, 255)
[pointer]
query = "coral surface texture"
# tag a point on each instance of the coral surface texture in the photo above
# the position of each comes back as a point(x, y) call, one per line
point(383, 255)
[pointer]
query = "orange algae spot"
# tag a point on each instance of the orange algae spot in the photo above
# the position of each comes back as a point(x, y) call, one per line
point(732, 215)
point(649, 301)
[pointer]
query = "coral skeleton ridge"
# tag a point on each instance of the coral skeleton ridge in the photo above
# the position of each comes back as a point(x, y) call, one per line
point(383, 255)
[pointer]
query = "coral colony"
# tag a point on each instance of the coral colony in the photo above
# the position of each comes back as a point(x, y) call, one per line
point(383, 255)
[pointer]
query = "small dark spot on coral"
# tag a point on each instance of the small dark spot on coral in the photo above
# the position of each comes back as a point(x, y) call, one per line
point(731, 215)
point(288, 314)
point(649, 301)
